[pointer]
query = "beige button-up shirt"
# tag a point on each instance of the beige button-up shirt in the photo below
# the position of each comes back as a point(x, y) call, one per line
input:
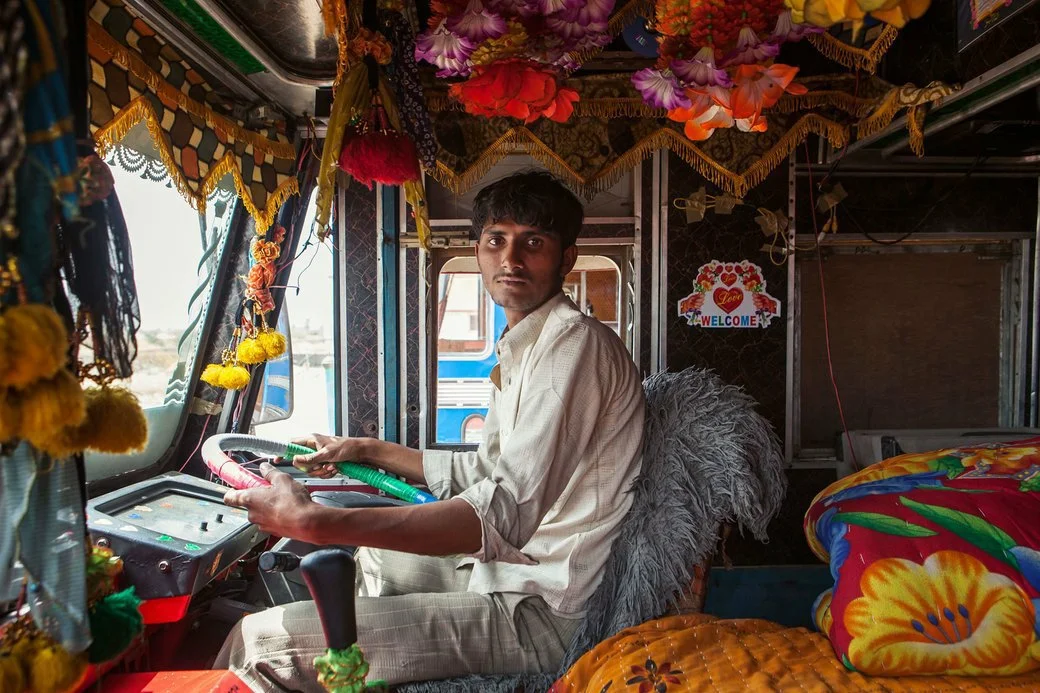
point(562, 444)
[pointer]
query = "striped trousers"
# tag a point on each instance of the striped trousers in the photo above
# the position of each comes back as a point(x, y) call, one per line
point(415, 622)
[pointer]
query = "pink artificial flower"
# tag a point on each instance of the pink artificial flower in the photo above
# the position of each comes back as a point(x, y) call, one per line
point(701, 70)
point(660, 89)
point(787, 30)
point(476, 23)
point(550, 6)
point(750, 50)
point(446, 50)
point(587, 12)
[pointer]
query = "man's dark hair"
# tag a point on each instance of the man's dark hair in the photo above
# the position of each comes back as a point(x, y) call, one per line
point(532, 198)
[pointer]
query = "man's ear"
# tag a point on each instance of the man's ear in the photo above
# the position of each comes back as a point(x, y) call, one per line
point(570, 258)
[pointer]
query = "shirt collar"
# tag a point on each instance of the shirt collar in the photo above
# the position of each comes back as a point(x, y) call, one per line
point(524, 334)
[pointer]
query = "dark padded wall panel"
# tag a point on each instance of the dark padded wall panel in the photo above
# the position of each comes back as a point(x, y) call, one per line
point(915, 342)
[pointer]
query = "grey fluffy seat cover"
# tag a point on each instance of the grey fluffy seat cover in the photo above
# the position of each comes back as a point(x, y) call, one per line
point(709, 459)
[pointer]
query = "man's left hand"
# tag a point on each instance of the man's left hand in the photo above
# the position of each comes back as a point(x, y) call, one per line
point(283, 509)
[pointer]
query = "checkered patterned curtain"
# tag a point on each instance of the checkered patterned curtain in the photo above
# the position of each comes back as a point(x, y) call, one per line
point(136, 77)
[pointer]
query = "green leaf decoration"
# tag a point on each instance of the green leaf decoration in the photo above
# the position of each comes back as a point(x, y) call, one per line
point(846, 662)
point(949, 464)
point(971, 528)
point(886, 524)
point(1030, 484)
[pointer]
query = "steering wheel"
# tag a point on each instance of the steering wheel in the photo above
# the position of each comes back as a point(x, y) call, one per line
point(214, 452)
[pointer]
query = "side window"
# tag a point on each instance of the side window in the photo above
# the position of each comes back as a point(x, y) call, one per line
point(469, 324)
point(175, 255)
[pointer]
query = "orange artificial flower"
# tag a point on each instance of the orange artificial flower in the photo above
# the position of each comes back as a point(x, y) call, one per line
point(519, 89)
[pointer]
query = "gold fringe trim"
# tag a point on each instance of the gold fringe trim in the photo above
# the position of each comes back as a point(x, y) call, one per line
point(907, 96)
point(140, 109)
point(915, 124)
point(136, 65)
point(853, 105)
point(615, 26)
point(522, 140)
point(852, 57)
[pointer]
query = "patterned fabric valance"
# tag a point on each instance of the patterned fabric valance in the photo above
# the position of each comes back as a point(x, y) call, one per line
point(137, 77)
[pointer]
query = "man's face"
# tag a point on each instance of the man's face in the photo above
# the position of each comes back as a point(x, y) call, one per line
point(522, 266)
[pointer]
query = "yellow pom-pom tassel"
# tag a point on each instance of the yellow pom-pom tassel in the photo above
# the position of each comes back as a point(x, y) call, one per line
point(51, 405)
point(272, 342)
point(10, 416)
point(212, 373)
point(36, 344)
point(12, 677)
point(115, 422)
point(3, 352)
point(251, 351)
point(64, 443)
point(234, 377)
point(54, 670)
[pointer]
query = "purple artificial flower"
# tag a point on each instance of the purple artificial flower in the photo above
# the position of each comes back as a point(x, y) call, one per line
point(587, 12)
point(445, 50)
point(750, 50)
point(476, 24)
point(550, 6)
point(660, 89)
point(701, 70)
point(515, 8)
point(787, 30)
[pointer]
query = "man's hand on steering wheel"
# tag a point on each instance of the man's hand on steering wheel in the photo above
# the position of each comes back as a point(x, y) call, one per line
point(328, 450)
point(283, 508)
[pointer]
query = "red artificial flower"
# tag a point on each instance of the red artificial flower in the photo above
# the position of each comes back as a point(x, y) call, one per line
point(520, 89)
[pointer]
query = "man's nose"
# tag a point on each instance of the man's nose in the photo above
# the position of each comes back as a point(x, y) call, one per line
point(511, 257)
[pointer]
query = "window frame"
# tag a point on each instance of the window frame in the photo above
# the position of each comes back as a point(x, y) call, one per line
point(621, 251)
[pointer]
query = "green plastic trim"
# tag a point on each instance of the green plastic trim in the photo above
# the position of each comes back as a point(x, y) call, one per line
point(210, 31)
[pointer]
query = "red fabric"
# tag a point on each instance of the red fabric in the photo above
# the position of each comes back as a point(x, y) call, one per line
point(213, 681)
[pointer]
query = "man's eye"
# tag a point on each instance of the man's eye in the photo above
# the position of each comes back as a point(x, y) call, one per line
point(535, 242)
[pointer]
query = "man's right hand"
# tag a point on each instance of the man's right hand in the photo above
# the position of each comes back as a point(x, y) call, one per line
point(328, 451)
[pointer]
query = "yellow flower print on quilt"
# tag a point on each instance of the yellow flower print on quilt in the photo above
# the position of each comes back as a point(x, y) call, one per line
point(948, 615)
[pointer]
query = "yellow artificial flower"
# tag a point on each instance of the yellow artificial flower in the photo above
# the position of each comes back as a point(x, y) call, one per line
point(949, 615)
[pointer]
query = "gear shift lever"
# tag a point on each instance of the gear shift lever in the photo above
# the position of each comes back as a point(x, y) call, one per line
point(329, 575)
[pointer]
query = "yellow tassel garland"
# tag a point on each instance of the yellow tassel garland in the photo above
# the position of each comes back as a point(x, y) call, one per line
point(3, 352)
point(212, 373)
point(115, 422)
point(51, 405)
point(12, 678)
point(10, 417)
point(234, 377)
point(54, 670)
point(272, 342)
point(251, 351)
point(36, 345)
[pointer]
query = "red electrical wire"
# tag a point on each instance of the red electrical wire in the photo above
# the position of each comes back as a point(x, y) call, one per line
point(823, 297)
point(205, 426)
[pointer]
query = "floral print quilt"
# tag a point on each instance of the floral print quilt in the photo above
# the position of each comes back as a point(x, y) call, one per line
point(936, 563)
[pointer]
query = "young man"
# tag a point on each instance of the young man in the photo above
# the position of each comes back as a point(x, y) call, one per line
point(494, 577)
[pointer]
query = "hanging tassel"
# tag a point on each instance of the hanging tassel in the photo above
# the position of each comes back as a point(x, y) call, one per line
point(114, 623)
point(53, 669)
point(234, 377)
point(51, 405)
point(212, 374)
point(115, 422)
point(36, 344)
point(10, 417)
point(12, 677)
point(272, 342)
point(251, 351)
point(381, 156)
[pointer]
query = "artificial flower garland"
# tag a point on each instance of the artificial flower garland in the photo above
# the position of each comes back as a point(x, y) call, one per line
point(253, 341)
point(827, 13)
point(513, 53)
point(716, 67)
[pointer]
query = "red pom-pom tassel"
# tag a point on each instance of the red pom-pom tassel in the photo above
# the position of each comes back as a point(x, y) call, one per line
point(379, 156)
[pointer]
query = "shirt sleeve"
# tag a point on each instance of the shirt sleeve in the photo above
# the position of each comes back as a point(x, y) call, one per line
point(448, 473)
point(560, 406)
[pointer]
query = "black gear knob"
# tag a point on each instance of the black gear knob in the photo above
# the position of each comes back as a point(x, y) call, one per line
point(278, 562)
point(329, 575)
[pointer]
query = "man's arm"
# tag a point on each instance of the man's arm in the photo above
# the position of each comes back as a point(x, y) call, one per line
point(285, 509)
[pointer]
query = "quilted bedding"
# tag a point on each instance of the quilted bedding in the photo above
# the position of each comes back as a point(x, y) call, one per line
point(935, 562)
point(698, 652)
